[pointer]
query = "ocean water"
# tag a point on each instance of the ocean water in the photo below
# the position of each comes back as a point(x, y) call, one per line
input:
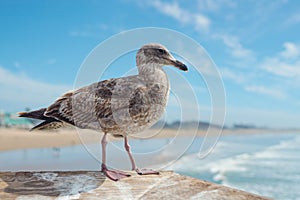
point(265, 164)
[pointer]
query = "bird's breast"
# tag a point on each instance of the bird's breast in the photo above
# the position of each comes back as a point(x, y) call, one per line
point(140, 107)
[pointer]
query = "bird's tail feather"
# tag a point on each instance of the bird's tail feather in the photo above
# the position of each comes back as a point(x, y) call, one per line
point(48, 123)
point(36, 114)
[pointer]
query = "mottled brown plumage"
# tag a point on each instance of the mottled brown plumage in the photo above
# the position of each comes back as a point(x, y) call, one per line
point(118, 106)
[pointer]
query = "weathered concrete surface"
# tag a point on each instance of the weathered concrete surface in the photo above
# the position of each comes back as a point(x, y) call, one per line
point(93, 185)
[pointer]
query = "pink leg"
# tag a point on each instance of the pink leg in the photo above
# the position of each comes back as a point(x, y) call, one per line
point(139, 171)
point(114, 175)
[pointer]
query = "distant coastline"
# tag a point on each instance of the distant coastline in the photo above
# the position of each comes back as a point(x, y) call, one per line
point(12, 138)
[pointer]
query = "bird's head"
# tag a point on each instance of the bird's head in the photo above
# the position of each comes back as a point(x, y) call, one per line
point(158, 55)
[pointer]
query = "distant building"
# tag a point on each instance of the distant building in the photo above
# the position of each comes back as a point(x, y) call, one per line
point(1, 118)
point(11, 120)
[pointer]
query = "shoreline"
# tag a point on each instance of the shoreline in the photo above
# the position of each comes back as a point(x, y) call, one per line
point(14, 139)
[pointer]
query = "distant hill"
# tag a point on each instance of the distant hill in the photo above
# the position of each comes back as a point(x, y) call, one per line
point(248, 126)
point(185, 125)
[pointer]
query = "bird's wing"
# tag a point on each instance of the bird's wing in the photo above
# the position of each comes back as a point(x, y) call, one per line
point(139, 104)
point(86, 106)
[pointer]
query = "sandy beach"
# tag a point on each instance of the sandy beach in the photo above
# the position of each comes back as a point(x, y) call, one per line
point(12, 139)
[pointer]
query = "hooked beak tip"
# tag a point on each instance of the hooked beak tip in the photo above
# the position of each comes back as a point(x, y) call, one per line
point(180, 65)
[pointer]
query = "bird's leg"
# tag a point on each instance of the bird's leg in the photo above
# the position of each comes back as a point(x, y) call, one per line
point(127, 147)
point(139, 171)
point(114, 175)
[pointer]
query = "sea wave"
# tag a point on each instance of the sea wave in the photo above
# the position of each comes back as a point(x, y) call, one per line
point(268, 165)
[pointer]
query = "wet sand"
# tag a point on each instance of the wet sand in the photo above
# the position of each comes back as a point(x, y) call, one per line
point(12, 139)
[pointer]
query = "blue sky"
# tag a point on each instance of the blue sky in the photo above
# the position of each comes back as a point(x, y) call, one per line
point(254, 44)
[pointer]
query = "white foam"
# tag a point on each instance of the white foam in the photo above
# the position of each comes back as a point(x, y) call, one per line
point(220, 168)
point(251, 165)
point(285, 149)
point(46, 176)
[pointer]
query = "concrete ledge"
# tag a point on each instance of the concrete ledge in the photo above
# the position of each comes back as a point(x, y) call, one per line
point(93, 185)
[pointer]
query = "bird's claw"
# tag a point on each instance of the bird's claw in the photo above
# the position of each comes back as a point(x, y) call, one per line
point(114, 175)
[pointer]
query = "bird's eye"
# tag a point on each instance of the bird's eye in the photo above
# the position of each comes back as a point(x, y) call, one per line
point(161, 51)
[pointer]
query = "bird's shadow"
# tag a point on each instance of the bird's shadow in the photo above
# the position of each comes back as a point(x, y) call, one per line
point(51, 183)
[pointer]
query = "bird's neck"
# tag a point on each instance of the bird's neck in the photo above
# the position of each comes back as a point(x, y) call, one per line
point(150, 68)
point(153, 73)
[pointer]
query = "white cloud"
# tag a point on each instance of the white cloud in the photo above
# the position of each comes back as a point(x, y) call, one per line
point(232, 75)
point(215, 5)
point(172, 10)
point(291, 50)
point(286, 63)
point(199, 21)
point(236, 48)
point(273, 92)
point(20, 91)
point(282, 68)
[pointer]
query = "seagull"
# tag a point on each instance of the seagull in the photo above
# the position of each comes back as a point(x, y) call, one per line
point(117, 106)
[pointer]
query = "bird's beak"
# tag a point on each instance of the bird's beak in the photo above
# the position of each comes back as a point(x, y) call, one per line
point(179, 65)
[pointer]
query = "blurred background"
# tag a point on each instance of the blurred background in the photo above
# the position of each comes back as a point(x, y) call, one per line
point(254, 44)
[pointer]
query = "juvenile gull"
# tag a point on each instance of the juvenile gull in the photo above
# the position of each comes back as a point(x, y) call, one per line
point(118, 106)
